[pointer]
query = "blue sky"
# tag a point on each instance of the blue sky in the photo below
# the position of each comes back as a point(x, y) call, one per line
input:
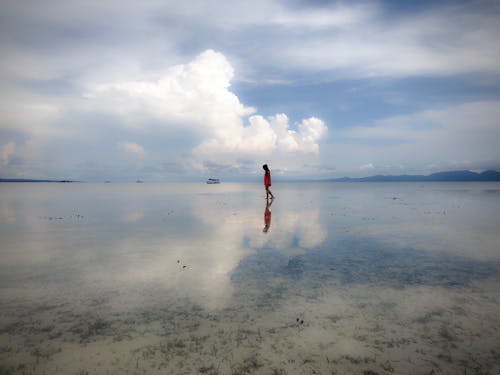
point(168, 90)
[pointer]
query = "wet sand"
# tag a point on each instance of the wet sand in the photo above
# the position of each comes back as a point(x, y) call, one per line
point(391, 278)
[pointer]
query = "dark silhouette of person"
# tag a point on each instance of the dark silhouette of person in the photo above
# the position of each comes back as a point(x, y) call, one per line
point(267, 215)
point(267, 181)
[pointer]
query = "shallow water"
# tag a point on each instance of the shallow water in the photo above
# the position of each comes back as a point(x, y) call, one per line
point(184, 278)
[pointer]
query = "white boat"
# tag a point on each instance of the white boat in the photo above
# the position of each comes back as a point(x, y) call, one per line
point(213, 181)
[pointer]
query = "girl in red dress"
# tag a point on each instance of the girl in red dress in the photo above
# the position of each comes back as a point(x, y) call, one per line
point(267, 181)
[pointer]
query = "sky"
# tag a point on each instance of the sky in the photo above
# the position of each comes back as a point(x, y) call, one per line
point(185, 90)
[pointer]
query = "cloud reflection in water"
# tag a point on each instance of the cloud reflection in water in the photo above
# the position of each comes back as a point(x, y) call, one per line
point(186, 269)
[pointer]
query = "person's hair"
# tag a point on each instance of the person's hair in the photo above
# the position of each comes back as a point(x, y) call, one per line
point(265, 167)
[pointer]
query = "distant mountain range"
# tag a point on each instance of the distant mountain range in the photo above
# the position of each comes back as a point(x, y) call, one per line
point(439, 176)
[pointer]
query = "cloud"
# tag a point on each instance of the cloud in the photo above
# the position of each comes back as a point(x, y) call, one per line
point(266, 40)
point(22, 110)
point(367, 167)
point(443, 40)
point(263, 137)
point(6, 151)
point(133, 148)
point(458, 136)
point(465, 123)
point(69, 75)
point(197, 96)
point(190, 94)
point(191, 103)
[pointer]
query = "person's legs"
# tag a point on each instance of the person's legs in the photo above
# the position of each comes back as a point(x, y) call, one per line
point(268, 193)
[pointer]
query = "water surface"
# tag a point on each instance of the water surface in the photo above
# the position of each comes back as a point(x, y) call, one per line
point(330, 278)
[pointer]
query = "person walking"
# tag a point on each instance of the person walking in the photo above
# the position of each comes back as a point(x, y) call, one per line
point(267, 181)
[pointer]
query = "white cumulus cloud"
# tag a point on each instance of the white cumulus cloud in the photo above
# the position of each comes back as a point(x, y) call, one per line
point(193, 94)
point(264, 137)
point(197, 96)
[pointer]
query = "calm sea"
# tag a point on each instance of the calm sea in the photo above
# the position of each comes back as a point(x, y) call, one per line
point(329, 278)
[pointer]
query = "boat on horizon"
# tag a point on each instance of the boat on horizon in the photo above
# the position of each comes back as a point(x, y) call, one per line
point(213, 181)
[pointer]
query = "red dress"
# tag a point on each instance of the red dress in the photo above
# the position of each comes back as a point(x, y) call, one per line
point(267, 179)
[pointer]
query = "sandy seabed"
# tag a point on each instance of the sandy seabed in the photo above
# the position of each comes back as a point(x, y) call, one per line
point(347, 329)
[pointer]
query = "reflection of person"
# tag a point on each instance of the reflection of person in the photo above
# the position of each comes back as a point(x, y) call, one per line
point(267, 181)
point(267, 215)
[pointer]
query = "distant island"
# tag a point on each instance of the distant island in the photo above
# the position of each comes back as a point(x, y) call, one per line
point(32, 180)
point(439, 176)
